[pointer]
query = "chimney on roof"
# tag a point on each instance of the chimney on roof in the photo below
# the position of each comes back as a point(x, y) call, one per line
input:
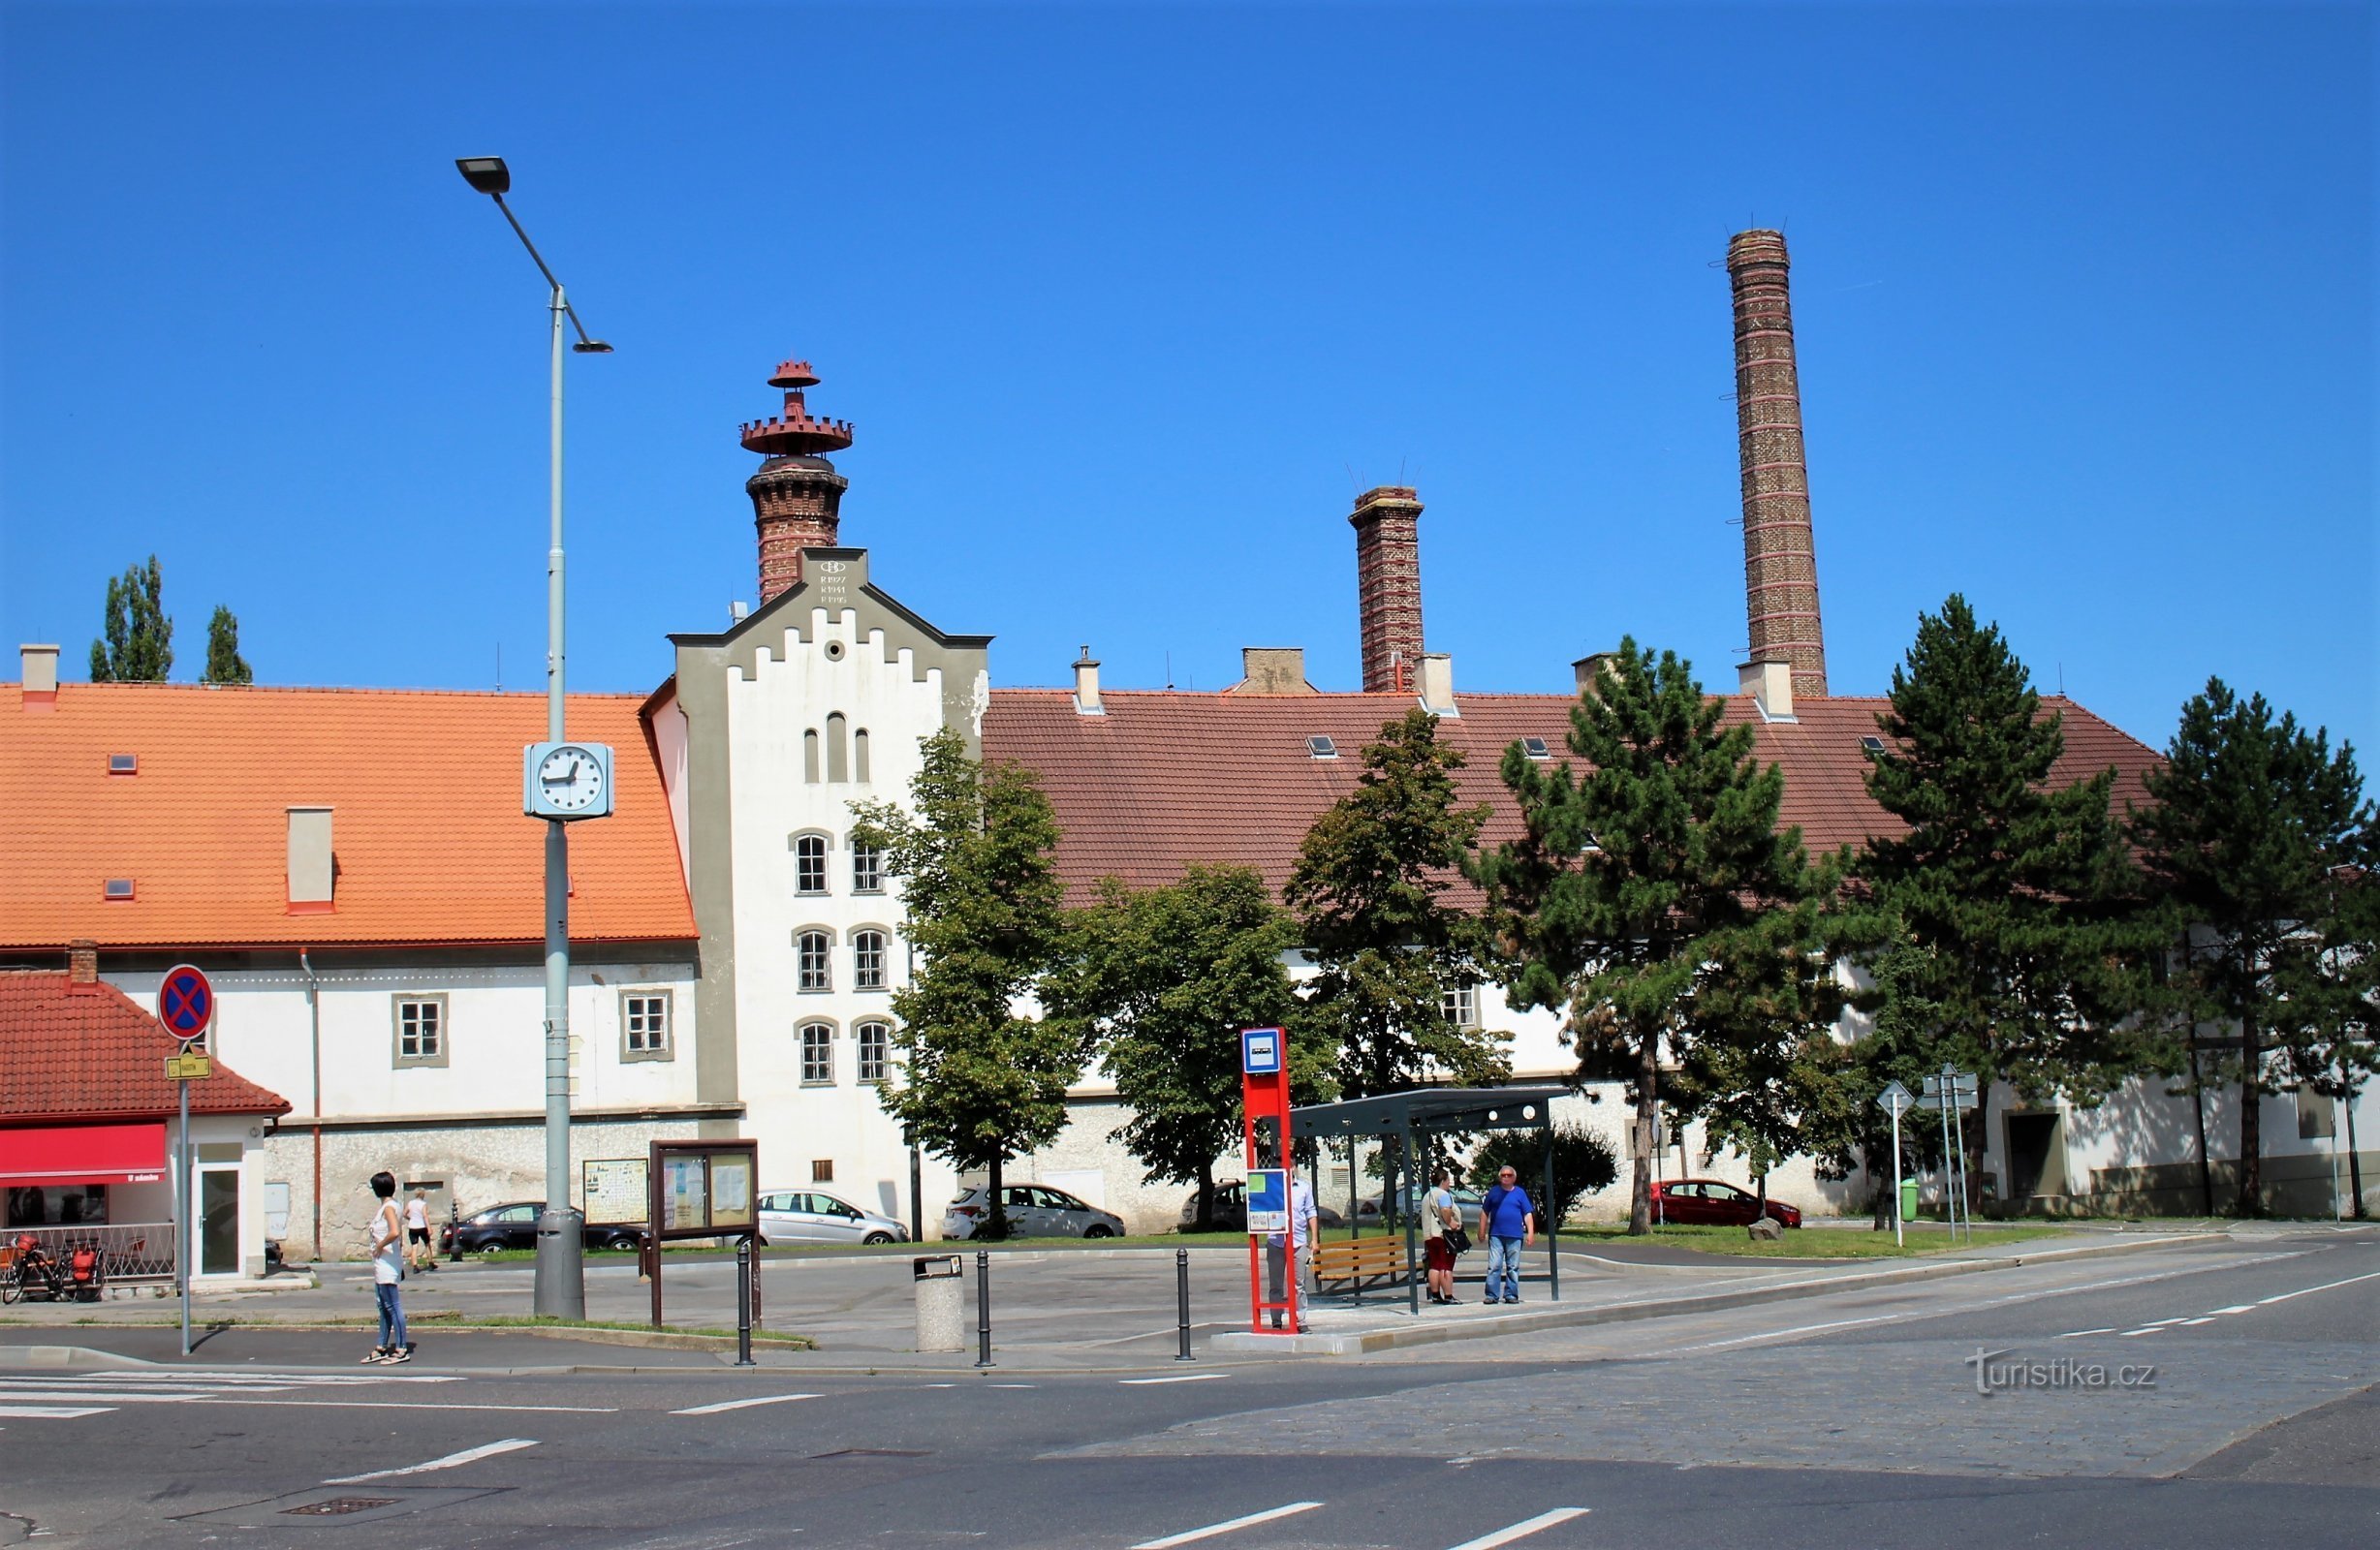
point(1770, 684)
point(797, 496)
point(311, 873)
point(1582, 672)
point(1087, 684)
point(82, 966)
point(1389, 586)
point(1780, 560)
point(41, 675)
point(1271, 670)
point(1439, 684)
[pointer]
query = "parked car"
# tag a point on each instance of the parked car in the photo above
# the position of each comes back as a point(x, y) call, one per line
point(1231, 1209)
point(813, 1215)
point(1698, 1202)
point(514, 1225)
point(1034, 1211)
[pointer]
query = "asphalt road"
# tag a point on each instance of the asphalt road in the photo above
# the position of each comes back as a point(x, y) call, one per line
point(2221, 1394)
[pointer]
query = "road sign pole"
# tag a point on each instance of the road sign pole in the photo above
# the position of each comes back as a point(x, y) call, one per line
point(1894, 1182)
point(189, 1192)
point(1958, 1128)
point(1950, 1160)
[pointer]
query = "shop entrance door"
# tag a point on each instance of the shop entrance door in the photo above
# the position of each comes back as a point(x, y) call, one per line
point(218, 1231)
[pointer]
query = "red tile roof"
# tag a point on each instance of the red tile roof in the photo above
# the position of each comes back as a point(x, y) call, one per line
point(1166, 778)
point(427, 833)
point(92, 1054)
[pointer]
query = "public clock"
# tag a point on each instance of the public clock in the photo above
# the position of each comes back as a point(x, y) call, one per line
point(567, 780)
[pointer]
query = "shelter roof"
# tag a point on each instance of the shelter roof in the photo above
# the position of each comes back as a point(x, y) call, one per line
point(1430, 1108)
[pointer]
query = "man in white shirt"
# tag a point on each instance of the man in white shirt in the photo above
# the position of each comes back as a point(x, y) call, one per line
point(1303, 1221)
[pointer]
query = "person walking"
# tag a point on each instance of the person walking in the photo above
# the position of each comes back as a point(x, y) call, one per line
point(388, 1236)
point(1438, 1220)
point(1508, 1221)
point(416, 1233)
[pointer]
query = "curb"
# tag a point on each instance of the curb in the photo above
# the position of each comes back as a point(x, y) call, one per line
point(1363, 1342)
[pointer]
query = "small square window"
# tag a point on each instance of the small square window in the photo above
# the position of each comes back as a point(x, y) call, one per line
point(822, 1170)
point(421, 1030)
point(123, 764)
point(1322, 747)
point(817, 1054)
point(1459, 1005)
point(644, 1025)
point(116, 890)
point(1535, 748)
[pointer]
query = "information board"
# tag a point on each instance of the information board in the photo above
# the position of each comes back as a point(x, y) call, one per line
point(702, 1189)
point(1268, 1201)
point(613, 1190)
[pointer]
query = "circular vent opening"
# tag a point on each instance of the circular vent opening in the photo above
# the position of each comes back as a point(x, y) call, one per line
point(834, 651)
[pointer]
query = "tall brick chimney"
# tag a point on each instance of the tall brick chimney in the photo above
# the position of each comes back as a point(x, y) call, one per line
point(1780, 560)
point(797, 496)
point(1389, 587)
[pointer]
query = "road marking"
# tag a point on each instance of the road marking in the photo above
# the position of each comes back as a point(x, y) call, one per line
point(2307, 1291)
point(1012, 1386)
point(1176, 1377)
point(1523, 1528)
point(2187, 1323)
point(1781, 1334)
point(2144, 1329)
point(469, 1455)
point(1189, 1536)
point(2237, 1308)
point(741, 1404)
point(2077, 1334)
point(52, 1412)
point(416, 1404)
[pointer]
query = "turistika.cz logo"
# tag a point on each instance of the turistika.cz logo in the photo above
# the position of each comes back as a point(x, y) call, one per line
point(2058, 1375)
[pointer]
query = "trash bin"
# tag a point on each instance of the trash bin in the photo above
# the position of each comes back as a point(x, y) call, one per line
point(942, 1302)
point(1908, 1200)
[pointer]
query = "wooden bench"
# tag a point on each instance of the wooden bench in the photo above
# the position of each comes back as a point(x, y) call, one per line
point(1356, 1263)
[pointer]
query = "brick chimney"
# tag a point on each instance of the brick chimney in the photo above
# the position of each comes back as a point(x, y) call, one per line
point(1271, 670)
point(797, 496)
point(82, 967)
point(1389, 587)
point(1780, 562)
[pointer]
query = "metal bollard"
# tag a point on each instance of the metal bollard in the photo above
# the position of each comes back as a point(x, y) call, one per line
point(743, 1302)
point(983, 1308)
point(1181, 1296)
point(455, 1235)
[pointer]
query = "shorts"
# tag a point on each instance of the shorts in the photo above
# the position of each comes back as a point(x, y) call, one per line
point(417, 1234)
point(1436, 1254)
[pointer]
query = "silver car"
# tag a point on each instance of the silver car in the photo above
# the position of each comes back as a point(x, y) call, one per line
point(1034, 1211)
point(813, 1215)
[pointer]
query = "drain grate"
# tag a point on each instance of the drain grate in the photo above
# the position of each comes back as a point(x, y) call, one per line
point(875, 1454)
point(338, 1506)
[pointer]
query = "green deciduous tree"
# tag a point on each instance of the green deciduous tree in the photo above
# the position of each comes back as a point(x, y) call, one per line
point(138, 643)
point(1369, 889)
point(1164, 979)
point(1582, 1163)
point(2246, 825)
point(1652, 887)
point(2329, 983)
point(224, 663)
point(982, 900)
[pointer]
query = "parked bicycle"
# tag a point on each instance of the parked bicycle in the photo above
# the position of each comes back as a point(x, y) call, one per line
point(32, 1270)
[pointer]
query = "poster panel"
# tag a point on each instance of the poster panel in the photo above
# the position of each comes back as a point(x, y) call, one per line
point(685, 1193)
point(613, 1190)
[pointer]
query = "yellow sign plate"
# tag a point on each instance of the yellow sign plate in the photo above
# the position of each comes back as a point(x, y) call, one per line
point(189, 1067)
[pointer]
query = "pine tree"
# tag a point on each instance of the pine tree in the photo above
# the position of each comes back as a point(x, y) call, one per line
point(2016, 949)
point(1652, 888)
point(224, 663)
point(1369, 887)
point(1166, 978)
point(139, 648)
point(983, 905)
point(2248, 821)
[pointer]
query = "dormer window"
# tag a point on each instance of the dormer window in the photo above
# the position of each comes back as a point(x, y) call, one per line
point(123, 764)
point(1322, 748)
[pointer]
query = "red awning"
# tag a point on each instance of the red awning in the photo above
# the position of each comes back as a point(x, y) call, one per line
point(83, 1154)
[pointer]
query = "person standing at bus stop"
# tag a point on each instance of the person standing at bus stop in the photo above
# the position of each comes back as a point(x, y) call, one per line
point(388, 1236)
point(1508, 1221)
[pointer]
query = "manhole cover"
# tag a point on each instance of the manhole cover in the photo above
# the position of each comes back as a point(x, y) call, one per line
point(875, 1454)
point(338, 1506)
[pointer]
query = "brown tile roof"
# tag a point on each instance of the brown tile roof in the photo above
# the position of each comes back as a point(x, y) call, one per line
point(1166, 778)
point(428, 832)
point(92, 1054)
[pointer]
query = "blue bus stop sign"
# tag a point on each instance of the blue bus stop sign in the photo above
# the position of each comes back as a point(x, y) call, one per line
point(185, 1003)
point(1259, 1051)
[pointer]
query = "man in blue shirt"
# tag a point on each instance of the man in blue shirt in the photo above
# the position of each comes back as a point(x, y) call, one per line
point(1508, 1221)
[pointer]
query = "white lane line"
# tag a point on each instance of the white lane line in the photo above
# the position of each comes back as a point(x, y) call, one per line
point(2307, 1291)
point(2187, 1323)
point(417, 1404)
point(1176, 1377)
point(52, 1412)
point(469, 1455)
point(1523, 1528)
point(741, 1404)
point(2077, 1334)
point(1781, 1334)
point(2235, 1308)
point(1012, 1386)
point(1190, 1535)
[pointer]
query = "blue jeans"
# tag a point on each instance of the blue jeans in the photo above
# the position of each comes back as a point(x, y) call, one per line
point(392, 1316)
point(1504, 1268)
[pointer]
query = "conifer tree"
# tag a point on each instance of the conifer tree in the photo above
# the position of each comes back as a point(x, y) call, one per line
point(983, 906)
point(2246, 825)
point(1652, 895)
point(138, 643)
point(1369, 889)
point(224, 663)
point(2330, 981)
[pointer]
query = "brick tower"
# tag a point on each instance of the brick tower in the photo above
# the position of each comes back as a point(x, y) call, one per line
point(1389, 587)
point(797, 496)
point(1780, 560)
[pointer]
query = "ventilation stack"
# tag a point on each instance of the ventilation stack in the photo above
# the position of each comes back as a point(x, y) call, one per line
point(1780, 561)
point(797, 496)
point(1389, 587)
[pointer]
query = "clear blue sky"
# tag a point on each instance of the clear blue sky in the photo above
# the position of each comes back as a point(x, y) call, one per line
point(1127, 301)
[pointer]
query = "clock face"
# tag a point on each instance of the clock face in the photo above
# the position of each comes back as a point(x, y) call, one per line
point(569, 778)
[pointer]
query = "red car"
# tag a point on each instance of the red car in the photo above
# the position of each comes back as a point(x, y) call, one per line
point(1699, 1202)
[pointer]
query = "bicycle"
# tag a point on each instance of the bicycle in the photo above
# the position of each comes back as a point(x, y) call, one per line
point(33, 1271)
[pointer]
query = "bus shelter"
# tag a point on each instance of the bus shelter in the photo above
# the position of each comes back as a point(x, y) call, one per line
point(1426, 1112)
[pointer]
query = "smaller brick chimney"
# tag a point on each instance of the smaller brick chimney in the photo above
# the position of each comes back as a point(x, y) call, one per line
point(1389, 587)
point(83, 966)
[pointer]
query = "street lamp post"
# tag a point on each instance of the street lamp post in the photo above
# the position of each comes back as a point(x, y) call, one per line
point(562, 1248)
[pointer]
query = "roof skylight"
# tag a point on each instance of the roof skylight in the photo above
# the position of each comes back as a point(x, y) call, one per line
point(1322, 747)
point(1535, 748)
point(1874, 745)
point(123, 764)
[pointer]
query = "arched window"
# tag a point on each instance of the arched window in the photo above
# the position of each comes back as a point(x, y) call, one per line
point(810, 960)
point(817, 1054)
point(809, 863)
point(867, 868)
point(875, 1050)
point(867, 962)
point(839, 750)
point(809, 755)
point(858, 756)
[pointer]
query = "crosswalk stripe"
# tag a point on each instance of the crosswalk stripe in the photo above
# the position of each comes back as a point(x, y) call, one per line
point(1522, 1529)
point(51, 1412)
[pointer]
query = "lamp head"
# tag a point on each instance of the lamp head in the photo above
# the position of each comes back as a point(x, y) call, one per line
point(486, 175)
point(591, 346)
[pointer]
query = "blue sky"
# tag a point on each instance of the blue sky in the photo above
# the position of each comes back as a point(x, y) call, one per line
point(1128, 301)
